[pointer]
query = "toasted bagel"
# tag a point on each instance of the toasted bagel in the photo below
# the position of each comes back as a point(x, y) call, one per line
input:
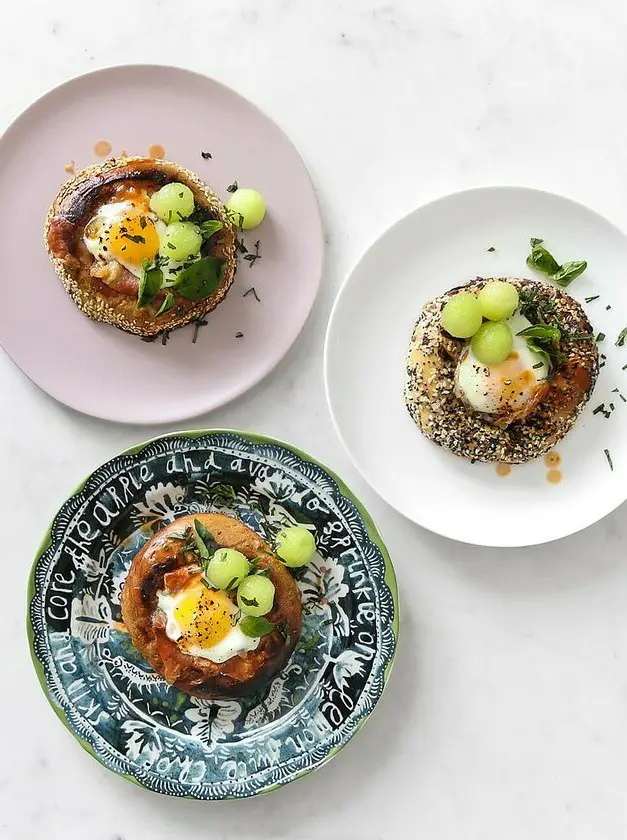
point(430, 385)
point(242, 674)
point(75, 204)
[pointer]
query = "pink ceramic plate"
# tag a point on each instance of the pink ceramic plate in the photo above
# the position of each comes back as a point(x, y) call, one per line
point(95, 368)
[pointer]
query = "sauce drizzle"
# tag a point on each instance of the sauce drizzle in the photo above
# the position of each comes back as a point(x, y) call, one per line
point(503, 469)
point(156, 151)
point(102, 148)
point(554, 476)
point(552, 459)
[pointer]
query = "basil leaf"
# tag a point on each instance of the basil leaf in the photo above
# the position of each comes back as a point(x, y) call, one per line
point(254, 626)
point(567, 273)
point(542, 260)
point(200, 279)
point(200, 545)
point(149, 283)
point(544, 332)
point(544, 340)
point(204, 539)
point(207, 229)
point(167, 304)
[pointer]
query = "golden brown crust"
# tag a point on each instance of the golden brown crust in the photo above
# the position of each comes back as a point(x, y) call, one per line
point(239, 676)
point(74, 205)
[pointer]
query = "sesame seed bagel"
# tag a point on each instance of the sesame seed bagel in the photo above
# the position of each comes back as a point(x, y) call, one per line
point(76, 203)
point(443, 417)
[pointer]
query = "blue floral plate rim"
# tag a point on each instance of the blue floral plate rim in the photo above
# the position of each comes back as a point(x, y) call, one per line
point(251, 440)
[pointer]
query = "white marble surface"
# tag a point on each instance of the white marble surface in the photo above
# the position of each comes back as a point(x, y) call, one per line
point(506, 716)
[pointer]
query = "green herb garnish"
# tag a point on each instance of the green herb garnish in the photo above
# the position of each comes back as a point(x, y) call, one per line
point(168, 303)
point(254, 626)
point(569, 271)
point(539, 308)
point(203, 543)
point(621, 337)
point(491, 249)
point(235, 218)
point(136, 238)
point(253, 257)
point(591, 298)
point(600, 337)
point(609, 459)
point(200, 279)
point(544, 340)
point(198, 323)
point(543, 261)
point(232, 187)
point(544, 332)
point(250, 602)
point(149, 283)
point(207, 229)
point(201, 548)
point(252, 291)
point(206, 155)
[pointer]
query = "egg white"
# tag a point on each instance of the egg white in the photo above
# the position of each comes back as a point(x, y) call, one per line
point(480, 385)
point(233, 644)
point(108, 214)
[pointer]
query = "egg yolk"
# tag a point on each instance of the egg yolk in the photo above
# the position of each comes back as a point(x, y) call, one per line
point(511, 381)
point(133, 238)
point(203, 615)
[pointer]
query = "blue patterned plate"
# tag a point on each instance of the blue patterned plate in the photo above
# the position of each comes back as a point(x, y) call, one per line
point(125, 715)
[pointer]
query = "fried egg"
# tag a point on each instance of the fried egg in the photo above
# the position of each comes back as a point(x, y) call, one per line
point(126, 231)
point(510, 386)
point(204, 622)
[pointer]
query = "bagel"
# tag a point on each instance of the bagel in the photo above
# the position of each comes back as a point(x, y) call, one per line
point(112, 297)
point(240, 675)
point(433, 402)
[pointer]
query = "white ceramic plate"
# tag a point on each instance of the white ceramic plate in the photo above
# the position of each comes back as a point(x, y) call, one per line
point(434, 249)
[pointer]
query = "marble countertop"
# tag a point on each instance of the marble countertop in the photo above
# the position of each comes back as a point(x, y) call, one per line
point(506, 714)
